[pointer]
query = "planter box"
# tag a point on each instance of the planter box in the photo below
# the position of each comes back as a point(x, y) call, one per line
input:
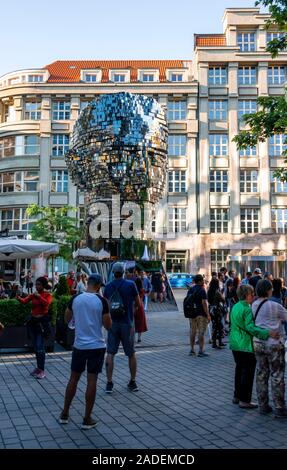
point(16, 337)
point(64, 335)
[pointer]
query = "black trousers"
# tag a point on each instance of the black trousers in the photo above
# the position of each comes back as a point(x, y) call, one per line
point(244, 375)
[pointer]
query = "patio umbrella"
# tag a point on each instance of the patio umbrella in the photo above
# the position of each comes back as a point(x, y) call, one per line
point(17, 248)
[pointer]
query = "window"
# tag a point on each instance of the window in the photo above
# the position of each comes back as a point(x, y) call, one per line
point(276, 75)
point(31, 144)
point(14, 219)
point(176, 219)
point(176, 110)
point(9, 113)
point(277, 186)
point(60, 145)
point(272, 36)
point(218, 144)
point(61, 110)
point(249, 219)
point(19, 145)
point(119, 77)
point(219, 220)
point(148, 77)
point(218, 259)
point(59, 182)
point(218, 110)
point(218, 180)
point(246, 107)
point(277, 145)
point(81, 215)
point(177, 181)
point(176, 77)
point(19, 181)
point(177, 145)
point(91, 77)
point(248, 181)
point(248, 152)
point(217, 76)
point(247, 75)
point(35, 78)
point(246, 41)
point(33, 110)
point(279, 220)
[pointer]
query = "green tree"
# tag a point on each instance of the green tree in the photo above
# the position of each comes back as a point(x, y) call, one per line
point(272, 115)
point(53, 224)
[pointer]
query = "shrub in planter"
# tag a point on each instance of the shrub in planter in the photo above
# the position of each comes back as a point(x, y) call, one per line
point(62, 303)
point(62, 288)
point(12, 313)
point(64, 335)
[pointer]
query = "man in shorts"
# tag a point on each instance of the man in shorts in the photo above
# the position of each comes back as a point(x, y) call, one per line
point(90, 311)
point(123, 330)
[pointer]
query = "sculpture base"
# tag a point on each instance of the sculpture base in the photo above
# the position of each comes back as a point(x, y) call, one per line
point(130, 249)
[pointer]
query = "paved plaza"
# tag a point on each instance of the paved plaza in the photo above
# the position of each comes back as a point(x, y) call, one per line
point(183, 402)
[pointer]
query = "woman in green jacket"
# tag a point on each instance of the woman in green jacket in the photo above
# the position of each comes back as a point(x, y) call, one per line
point(241, 342)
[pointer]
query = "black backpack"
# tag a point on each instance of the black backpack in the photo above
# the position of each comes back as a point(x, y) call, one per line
point(189, 305)
point(117, 308)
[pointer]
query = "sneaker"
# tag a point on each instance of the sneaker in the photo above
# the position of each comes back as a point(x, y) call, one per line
point(265, 410)
point(109, 387)
point(203, 354)
point(132, 386)
point(235, 401)
point(192, 353)
point(35, 372)
point(139, 340)
point(247, 406)
point(281, 413)
point(63, 419)
point(88, 423)
point(40, 375)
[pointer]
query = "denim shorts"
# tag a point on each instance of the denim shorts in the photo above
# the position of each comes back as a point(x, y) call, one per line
point(121, 333)
point(92, 358)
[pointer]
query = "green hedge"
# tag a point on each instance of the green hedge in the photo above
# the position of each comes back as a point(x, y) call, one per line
point(13, 313)
point(62, 304)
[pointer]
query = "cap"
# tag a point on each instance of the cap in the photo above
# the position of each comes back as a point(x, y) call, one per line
point(258, 271)
point(118, 268)
point(96, 279)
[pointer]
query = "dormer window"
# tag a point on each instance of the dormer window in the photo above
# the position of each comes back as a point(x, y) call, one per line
point(119, 77)
point(35, 78)
point(176, 77)
point(91, 77)
point(148, 77)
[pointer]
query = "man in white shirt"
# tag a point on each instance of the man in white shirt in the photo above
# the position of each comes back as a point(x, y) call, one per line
point(90, 312)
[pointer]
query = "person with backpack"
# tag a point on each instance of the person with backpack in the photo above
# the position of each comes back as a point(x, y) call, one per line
point(217, 311)
point(90, 312)
point(122, 295)
point(196, 309)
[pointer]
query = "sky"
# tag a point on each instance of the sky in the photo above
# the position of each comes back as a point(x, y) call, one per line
point(34, 33)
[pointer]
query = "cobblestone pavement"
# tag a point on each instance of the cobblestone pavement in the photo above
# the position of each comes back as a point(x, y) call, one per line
point(183, 402)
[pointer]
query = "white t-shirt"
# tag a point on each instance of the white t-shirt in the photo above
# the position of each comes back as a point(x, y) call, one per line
point(270, 316)
point(88, 310)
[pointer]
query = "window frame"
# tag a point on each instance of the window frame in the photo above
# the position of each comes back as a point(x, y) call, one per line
point(245, 222)
point(57, 112)
point(249, 185)
point(222, 145)
point(180, 145)
point(177, 222)
point(218, 181)
point(219, 219)
point(59, 177)
point(175, 180)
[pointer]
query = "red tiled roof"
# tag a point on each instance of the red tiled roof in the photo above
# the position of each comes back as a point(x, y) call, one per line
point(69, 71)
point(206, 40)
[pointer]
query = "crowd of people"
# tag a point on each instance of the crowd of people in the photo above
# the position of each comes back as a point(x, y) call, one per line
point(252, 311)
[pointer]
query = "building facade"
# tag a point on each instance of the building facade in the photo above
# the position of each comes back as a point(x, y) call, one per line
point(220, 203)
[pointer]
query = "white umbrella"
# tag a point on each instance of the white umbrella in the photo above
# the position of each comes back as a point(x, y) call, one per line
point(145, 256)
point(103, 254)
point(17, 248)
point(86, 253)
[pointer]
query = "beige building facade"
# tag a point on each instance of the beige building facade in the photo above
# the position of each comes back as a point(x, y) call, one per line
point(220, 203)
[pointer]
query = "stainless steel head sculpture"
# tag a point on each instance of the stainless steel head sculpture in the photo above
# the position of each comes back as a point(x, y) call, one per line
point(119, 146)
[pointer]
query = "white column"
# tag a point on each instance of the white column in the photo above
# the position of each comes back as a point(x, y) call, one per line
point(203, 157)
point(263, 79)
point(45, 171)
point(234, 162)
point(264, 188)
